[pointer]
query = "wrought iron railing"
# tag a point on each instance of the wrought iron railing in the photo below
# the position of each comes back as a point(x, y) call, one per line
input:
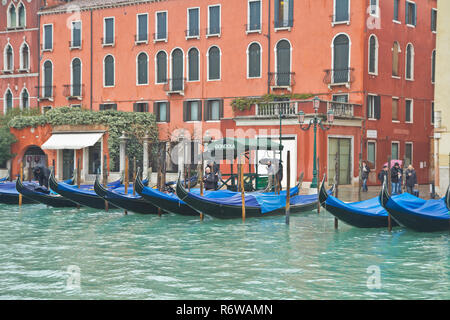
point(175, 85)
point(338, 76)
point(282, 79)
point(73, 91)
point(283, 23)
point(45, 92)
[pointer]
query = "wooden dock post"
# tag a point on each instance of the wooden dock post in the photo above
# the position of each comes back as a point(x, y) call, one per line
point(288, 187)
point(318, 185)
point(78, 173)
point(21, 179)
point(201, 183)
point(241, 174)
point(336, 184)
point(134, 176)
point(389, 188)
point(105, 179)
point(126, 179)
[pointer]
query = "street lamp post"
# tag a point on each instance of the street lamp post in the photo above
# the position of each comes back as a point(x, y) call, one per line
point(316, 122)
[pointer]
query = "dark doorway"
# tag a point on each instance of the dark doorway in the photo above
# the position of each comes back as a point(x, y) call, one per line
point(68, 163)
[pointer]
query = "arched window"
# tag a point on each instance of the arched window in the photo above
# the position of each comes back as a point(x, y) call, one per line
point(193, 65)
point(161, 67)
point(24, 57)
point(21, 14)
point(76, 78)
point(373, 55)
point(177, 70)
point(341, 59)
point(395, 59)
point(9, 58)
point(48, 79)
point(214, 63)
point(12, 21)
point(142, 68)
point(283, 53)
point(254, 60)
point(8, 102)
point(108, 72)
point(433, 66)
point(24, 99)
point(409, 62)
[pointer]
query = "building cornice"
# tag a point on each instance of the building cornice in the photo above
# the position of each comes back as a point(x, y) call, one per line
point(70, 8)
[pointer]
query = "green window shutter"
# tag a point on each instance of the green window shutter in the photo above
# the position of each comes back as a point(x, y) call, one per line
point(185, 111)
point(415, 14)
point(146, 107)
point(221, 108)
point(367, 106)
point(291, 13)
point(135, 107)
point(199, 110)
point(156, 110)
point(168, 111)
point(276, 10)
point(377, 108)
point(406, 12)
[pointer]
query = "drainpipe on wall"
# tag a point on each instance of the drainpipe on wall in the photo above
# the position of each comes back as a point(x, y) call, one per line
point(269, 49)
point(38, 56)
point(91, 64)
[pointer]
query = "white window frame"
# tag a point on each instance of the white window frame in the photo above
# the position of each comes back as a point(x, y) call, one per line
point(17, 15)
point(81, 76)
point(347, 22)
point(398, 149)
point(412, 62)
point(376, 55)
point(187, 65)
point(276, 64)
point(412, 151)
point(247, 31)
point(71, 35)
point(156, 27)
point(104, 71)
point(347, 84)
point(43, 80)
point(435, 10)
point(406, 4)
point(43, 37)
point(188, 23)
point(4, 99)
point(398, 109)
point(137, 69)
point(137, 40)
point(399, 52)
point(377, 10)
point(220, 64)
point(248, 60)
point(156, 67)
point(8, 16)
point(104, 44)
point(398, 8)
point(189, 110)
point(5, 58)
point(372, 107)
point(171, 67)
point(208, 35)
point(375, 152)
point(411, 110)
point(21, 98)
point(157, 102)
point(207, 106)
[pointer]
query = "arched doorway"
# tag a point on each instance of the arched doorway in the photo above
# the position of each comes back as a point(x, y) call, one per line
point(33, 157)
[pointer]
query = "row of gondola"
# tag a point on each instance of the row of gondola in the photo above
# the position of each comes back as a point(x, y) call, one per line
point(404, 209)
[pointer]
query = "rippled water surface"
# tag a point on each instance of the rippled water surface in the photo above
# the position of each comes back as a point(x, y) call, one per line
point(174, 257)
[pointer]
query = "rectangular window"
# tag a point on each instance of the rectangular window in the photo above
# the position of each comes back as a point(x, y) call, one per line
point(396, 11)
point(433, 19)
point(254, 15)
point(161, 110)
point(341, 10)
point(374, 7)
point(395, 109)
point(214, 20)
point(140, 107)
point(432, 113)
point(214, 110)
point(394, 151)
point(284, 13)
point(410, 13)
point(193, 22)
point(76, 34)
point(373, 107)
point(192, 110)
point(108, 32)
point(371, 152)
point(408, 154)
point(142, 25)
point(108, 106)
point(95, 155)
point(48, 37)
point(408, 111)
point(161, 25)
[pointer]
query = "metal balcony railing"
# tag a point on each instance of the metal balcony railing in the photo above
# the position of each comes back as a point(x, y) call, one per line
point(73, 91)
point(175, 85)
point(283, 23)
point(45, 92)
point(282, 79)
point(338, 76)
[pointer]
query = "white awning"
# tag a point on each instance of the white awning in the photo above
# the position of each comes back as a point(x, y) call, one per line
point(71, 140)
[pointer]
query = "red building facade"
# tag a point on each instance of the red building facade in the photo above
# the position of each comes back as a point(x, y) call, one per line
point(186, 61)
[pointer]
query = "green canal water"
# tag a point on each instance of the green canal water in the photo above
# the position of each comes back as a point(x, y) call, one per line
point(88, 254)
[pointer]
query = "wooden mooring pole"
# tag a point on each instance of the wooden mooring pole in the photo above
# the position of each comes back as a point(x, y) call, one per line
point(318, 185)
point(389, 187)
point(105, 179)
point(241, 174)
point(134, 176)
point(336, 184)
point(21, 179)
point(126, 179)
point(201, 183)
point(288, 187)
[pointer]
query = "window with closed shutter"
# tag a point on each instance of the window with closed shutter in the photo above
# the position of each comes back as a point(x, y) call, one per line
point(341, 8)
point(109, 31)
point(48, 37)
point(76, 34)
point(194, 22)
point(109, 77)
point(193, 65)
point(254, 60)
point(214, 63)
point(142, 68)
point(161, 67)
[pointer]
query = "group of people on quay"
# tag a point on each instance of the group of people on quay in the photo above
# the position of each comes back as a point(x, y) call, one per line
point(396, 178)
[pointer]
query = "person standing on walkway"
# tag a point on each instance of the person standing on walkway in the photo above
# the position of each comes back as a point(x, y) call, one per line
point(383, 175)
point(411, 179)
point(364, 176)
point(271, 176)
point(209, 179)
point(396, 179)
